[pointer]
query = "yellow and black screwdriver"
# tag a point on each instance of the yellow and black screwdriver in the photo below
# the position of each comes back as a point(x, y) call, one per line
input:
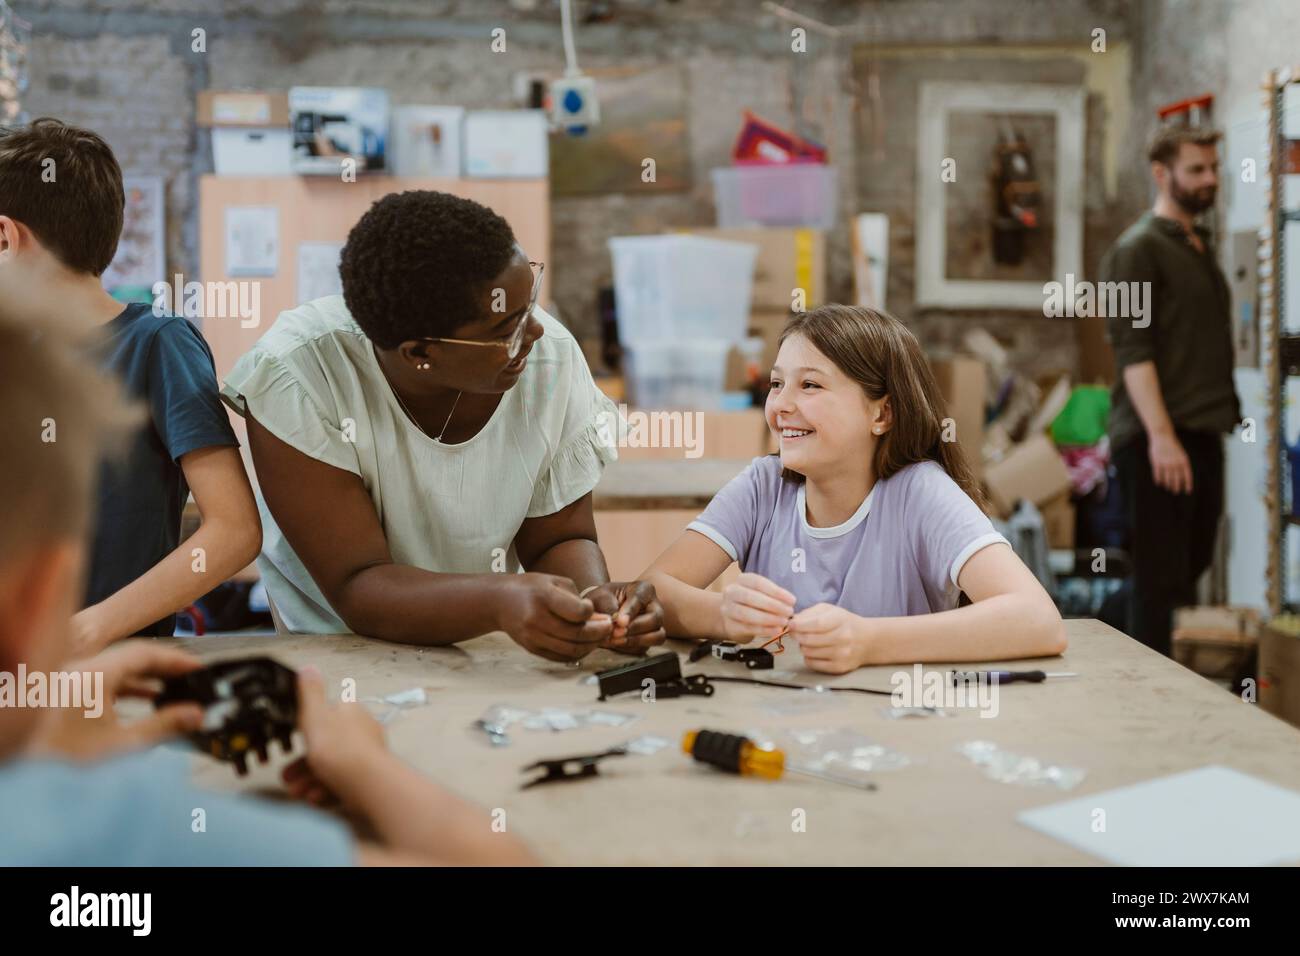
point(737, 754)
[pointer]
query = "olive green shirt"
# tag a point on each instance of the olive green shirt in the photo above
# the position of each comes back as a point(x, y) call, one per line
point(1185, 330)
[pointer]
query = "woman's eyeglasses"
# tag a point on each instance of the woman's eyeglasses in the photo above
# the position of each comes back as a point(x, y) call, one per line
point(515, 341)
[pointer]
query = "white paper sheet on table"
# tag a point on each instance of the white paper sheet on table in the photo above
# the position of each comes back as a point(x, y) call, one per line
point(318, 270)
point(1211, 816)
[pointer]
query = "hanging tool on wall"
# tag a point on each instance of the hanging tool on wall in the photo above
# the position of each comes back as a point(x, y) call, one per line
point(1017, 195)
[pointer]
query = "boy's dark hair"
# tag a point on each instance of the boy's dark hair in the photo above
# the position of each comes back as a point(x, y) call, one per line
point(416, 263)
point(1168, 142)
point(64, 184)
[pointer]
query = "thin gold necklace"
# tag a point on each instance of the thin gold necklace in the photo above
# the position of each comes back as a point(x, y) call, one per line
point(415, 421)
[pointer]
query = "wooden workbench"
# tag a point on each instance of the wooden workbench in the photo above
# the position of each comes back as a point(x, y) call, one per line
point(1130, 716)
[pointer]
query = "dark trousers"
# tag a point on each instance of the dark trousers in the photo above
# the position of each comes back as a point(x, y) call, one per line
point(1171, 537)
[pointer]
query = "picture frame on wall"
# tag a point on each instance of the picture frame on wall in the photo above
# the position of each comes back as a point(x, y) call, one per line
point(140, 260)
point(1000, 187)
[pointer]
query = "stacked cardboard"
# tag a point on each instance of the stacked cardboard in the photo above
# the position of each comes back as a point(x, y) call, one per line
point(1216, 642)
point(1279, 668)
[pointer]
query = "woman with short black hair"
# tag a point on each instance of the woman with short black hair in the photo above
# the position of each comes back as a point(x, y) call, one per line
point(427, 431)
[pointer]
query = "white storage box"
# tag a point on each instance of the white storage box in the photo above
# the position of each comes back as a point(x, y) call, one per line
point(252, 151)
point(687, 374)
point(682, 287)
point(790, 194)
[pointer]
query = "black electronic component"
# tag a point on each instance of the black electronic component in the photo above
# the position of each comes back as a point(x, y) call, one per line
point(663, 670)
point(246, 704)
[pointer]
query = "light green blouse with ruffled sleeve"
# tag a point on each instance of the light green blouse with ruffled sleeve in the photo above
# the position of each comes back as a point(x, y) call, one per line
point(313, 381)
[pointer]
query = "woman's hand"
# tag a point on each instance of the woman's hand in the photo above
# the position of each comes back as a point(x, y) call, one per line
point(753, 606)
point(543, 614)
point(636, 615)
point(833, 640)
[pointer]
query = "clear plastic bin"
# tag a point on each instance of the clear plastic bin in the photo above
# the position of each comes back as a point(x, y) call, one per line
point(682, 287)
point(688, 373)
point(789, 194)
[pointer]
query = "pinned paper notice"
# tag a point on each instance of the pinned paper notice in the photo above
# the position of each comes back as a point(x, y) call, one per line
point(252, 240)
point(318, 270)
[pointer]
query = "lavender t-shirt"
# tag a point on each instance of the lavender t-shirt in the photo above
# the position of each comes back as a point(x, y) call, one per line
point(899, 554)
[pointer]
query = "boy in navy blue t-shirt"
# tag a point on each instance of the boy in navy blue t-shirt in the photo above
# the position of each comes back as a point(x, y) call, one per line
point(61, 211)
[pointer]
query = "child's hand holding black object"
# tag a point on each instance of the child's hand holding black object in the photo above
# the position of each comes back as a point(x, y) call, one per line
point(130, 669)
point(247, 703)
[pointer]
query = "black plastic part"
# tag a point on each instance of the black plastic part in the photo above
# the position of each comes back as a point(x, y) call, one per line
point(258, 698)
point(563, 769)
point(755, 658)
point(662, 668)
point(718, 749)
point(702, 650)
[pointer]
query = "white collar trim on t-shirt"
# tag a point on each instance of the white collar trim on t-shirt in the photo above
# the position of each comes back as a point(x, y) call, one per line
point(834, 532)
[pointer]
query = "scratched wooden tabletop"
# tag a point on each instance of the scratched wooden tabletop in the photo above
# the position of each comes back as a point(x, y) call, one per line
point(1130, 715)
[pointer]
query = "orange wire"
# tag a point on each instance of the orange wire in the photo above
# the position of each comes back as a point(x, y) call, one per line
point(777, 641)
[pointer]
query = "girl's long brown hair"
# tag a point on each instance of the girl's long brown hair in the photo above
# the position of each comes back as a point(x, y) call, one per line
point(882, 355)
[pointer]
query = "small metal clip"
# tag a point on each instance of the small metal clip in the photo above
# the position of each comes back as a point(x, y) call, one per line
point(569, 768)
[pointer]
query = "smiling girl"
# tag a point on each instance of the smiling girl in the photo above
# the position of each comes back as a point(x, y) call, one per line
point(859, 538)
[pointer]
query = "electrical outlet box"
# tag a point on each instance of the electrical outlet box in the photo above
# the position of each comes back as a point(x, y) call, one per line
point(574, 103)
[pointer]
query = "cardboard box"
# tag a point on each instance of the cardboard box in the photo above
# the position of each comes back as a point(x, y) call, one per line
point(1227, 625)
point(613, 387)
point(243, 108)
point(746, 362)
point(1096, 358)
point(962, 381)
point(1058, 522)
point(1032, 470)
point(788, 258)
point(1279, 674)
point(767, 325)
point(1213, 660)
point(250, 132)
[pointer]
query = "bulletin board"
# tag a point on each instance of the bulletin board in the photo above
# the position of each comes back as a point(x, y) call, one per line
point(315, 211)
point(318, 212)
